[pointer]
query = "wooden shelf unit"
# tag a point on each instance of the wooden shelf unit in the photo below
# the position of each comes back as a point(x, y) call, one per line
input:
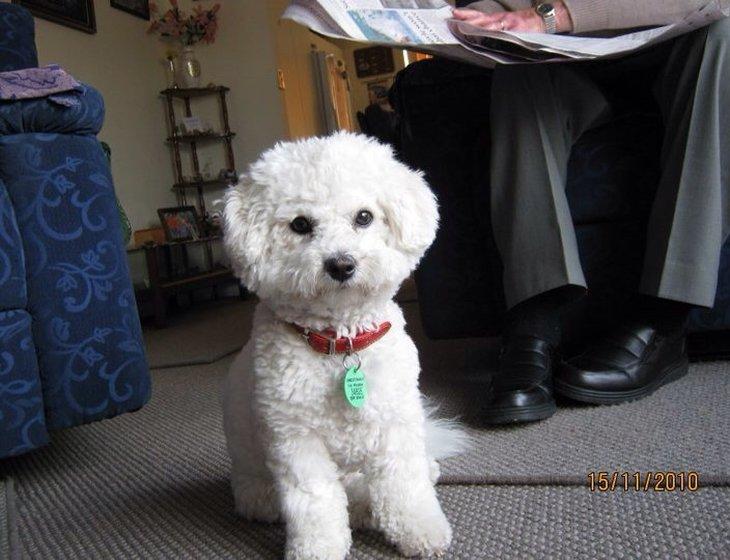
point(175, 140)
point(183, 93)
point(200, 136)
point(164, 280)
point(213, 183)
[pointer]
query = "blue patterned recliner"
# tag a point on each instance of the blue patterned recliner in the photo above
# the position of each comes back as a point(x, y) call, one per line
point(71, 349)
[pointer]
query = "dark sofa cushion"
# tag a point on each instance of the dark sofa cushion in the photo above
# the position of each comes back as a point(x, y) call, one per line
point(17, 38)
point(444, 130)
point(613, 170)
point(44, 115)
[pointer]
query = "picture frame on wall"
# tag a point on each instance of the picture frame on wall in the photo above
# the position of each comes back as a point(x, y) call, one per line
point(77, 14)
point(373, 61)
point(378, 92)
point(180, 223)
point(138, 8)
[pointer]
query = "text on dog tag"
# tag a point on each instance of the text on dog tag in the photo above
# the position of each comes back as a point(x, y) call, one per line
point(356, 390)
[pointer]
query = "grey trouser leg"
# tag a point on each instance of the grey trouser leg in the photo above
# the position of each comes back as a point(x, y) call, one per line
point(691, 214)
point(538, 112)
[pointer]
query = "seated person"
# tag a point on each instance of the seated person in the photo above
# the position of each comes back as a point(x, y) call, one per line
point(538, 111)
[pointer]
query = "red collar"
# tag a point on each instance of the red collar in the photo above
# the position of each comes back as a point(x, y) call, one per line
point(325, 343)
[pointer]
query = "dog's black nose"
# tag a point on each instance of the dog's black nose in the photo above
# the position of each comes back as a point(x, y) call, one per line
point(340, 267)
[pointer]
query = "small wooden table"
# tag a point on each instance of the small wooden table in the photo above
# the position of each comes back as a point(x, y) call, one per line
point(166, 279)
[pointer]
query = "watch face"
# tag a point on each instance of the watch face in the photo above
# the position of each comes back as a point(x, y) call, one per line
point(544, 9)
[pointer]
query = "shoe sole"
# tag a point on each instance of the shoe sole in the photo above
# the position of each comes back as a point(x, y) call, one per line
point(520, 414)
point(592, 396)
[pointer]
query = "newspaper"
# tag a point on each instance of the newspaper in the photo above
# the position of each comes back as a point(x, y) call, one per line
point(427, 25)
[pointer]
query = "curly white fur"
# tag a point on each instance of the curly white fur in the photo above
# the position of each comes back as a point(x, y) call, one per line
point(300, 452)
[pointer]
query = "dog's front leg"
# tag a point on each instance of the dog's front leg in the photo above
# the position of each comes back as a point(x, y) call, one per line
point(403, 498)
point(313, 499)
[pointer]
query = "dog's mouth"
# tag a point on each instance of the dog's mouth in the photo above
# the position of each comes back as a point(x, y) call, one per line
point(341, 287)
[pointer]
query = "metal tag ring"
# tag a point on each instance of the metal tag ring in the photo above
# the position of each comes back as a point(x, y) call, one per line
point(356, 357)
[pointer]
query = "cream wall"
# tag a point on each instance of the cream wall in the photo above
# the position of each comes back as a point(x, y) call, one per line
point(125, 64)
point(244, 58)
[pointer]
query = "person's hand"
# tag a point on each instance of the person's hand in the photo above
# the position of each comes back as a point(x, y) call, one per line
point(522, 20)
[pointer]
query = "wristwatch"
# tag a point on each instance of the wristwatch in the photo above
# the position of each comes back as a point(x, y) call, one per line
point(547, 12)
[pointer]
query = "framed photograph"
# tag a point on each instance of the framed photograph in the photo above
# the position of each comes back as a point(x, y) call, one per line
point(139, 8)
point(373, 61)
point(78, 14)
point(150, 235)
point(378, 92)
point(180, 223)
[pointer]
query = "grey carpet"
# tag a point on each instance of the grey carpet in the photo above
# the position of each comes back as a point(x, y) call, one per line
point(194, 520)
point(4, 521)
point(153, 484)
point(9, 547)
point(681, 427)
point(200, 335)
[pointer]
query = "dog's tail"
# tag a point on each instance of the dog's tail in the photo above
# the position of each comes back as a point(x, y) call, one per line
point(445, 437)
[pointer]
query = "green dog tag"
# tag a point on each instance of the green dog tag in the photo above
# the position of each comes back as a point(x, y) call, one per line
point(355, 387)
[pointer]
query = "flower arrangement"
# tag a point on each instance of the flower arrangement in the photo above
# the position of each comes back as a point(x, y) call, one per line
point(199, 26)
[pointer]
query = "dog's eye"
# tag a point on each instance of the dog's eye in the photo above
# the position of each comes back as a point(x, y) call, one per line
point(301, 225)
point(363, 218)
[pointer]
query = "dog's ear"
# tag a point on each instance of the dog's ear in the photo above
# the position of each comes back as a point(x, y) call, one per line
point(245, 229)
point(411, 211)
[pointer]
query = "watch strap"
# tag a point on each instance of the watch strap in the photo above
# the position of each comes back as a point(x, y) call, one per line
point(548, 17)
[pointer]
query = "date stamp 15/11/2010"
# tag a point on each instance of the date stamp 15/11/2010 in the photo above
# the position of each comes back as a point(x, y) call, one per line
point(649, 481)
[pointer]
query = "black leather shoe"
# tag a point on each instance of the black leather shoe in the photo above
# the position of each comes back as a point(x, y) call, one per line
point(522, 388)
point(630, 364)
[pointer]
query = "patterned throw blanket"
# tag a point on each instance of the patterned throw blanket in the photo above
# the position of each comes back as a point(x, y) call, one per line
point(50, 81)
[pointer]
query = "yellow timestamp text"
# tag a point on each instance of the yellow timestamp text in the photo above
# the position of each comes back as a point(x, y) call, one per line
point(649, 481)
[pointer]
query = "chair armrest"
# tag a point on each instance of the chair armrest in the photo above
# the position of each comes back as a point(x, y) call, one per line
point(44, 115)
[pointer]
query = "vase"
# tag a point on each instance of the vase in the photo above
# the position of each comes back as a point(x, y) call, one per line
point(189, 69)
point(171, 71)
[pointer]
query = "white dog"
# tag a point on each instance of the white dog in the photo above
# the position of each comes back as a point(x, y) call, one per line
point(324, 231)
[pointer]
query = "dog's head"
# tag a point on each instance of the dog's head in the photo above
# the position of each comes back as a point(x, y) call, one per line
point(324, 217)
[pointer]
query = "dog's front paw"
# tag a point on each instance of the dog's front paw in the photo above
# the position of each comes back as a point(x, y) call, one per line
point(424, 533)
point(318, 547)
